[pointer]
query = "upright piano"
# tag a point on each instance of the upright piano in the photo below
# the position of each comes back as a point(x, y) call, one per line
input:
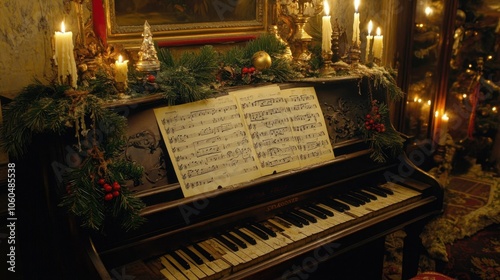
point(327, 221)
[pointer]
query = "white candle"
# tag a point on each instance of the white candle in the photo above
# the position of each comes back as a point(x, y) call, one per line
point(355, 25)
point(444, 130)
point(64, 57)
point(369, 41)
point(326, 44)
point(378, 44)
point(121, 71)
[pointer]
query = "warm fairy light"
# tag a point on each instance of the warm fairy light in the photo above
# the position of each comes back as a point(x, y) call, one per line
point(429, 102)
point(470, 65)
point(415, 99)
point(420, 100)
point(445, 118)
point(464, 95)
point(490, 57)
point(436, 114)
point(428, 11)
point(494, 109)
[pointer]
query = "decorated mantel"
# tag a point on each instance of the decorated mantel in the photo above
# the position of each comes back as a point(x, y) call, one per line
point(98, 78)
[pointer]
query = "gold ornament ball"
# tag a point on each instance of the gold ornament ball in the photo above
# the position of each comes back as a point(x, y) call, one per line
point(261, 60)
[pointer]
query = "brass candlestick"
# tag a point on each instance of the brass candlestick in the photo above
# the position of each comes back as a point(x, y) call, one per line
point(335, 43)
point(327, 69)
point(355, 54)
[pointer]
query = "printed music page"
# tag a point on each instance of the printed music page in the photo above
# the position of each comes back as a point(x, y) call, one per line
point(308, 126)
point(268, 120)
point(209, 146)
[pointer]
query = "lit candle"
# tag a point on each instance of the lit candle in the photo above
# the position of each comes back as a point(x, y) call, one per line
point(444, 130)
point(355, 25)
point(121, 71)
point(64, 57)
point(369, 41)
point(378, 44)
point(326, 44)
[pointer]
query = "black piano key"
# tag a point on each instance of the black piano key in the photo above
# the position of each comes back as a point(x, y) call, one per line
point(204, 252)
point(341, 207)
point(359, 196)
point(369, 195)
point(322, 210)
point(298, 217)
point(306, 216)
point(245, 236)
point(386, 190)
point(315, 212)
point(257, 232)
point(192, 255)
point(352, 198)
point(347, 200)
point(291, 220)
point(376, 191)
point(226, 242)
point(265, 229)
point(180, 260)
point(235, 240)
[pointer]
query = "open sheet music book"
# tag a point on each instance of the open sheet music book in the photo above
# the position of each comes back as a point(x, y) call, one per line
point(236, 138)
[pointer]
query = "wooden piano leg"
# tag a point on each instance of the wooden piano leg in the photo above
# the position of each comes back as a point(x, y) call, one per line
point(411, 249)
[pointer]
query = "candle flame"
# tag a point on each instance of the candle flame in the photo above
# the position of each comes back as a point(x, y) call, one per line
point(326, 8)
point(379, 32)
point(63, 28)
point(356, 5)
point(120, 59)
point(370, 27)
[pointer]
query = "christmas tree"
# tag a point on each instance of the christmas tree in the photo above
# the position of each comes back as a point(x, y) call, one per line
point(148, 59)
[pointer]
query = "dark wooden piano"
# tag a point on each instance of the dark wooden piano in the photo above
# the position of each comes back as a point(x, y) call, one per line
point(327, 221)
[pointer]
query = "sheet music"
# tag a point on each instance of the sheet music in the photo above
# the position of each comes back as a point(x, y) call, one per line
point(208, 144)
point(233, 139)
point(308, 126)
point(268, 120)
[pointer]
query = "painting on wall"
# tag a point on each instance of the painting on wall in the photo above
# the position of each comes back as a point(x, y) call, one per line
point(177, 20)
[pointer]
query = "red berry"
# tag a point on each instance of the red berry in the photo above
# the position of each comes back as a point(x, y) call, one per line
point(244, 70)
point(251, 70)
point(101, 181)
point(151, 78)
point(108, 197)
point(116, 187)
point(116, 193)
point(368, 116)
point(107, 187)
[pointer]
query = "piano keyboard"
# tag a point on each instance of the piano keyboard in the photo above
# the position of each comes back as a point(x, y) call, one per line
point(239, 248)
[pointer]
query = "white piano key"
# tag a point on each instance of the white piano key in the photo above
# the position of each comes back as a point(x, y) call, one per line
point(167, 274)
point(172, 269)
point(218, 261)
point(187, 272)
point(261, 244)
point(200, 270)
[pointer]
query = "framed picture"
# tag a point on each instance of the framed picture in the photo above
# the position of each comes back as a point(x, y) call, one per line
point(182, 22)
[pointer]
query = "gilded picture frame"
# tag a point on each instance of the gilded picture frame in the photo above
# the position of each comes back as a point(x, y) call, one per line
point(178, 22)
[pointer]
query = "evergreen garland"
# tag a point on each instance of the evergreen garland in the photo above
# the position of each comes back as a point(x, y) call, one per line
point(193, 76)
point(59, 109)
